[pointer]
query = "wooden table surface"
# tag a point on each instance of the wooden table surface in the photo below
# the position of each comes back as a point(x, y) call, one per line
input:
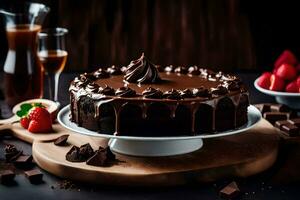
point(282, 181)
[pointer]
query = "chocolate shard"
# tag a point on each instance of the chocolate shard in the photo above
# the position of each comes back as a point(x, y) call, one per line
point(62, 140)
point(85, 152)
point(7, 176)
point(102, 157)
point(230, 191)
point(295, 122)
point(272, 117)
point(76, 154)
point(73, 155)
point(290, 129)
point(34, 176)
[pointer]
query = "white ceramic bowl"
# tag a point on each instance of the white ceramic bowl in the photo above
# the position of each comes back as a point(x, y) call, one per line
point(290, 99)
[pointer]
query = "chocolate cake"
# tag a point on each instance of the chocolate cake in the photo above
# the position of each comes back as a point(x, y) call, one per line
point(144, 99)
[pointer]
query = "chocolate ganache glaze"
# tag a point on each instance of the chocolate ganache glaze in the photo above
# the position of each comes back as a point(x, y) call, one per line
point(144, 99)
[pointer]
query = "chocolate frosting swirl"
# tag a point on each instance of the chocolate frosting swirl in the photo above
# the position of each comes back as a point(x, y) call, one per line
point(152, 93)
point(125, 92)
point(92, 87)
point(172, 94)
point(141, 71)
point(107, 90)
point(101, 73)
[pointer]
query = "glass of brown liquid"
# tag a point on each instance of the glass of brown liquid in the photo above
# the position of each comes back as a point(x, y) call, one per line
point(23, 76)
point(52, 56)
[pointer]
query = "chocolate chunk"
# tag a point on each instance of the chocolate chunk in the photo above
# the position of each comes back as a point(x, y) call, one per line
point(7, 176)
point(263, 108)
point(24, 162)
point(169, 68)
point(290, 129)
point(272, 117)
point(230, 191)
point(187, 93)
point(34, 176)
point(152, 93)
point(76, 154)
point(61, 141)
point(125, 92)
point(279, 108)
point(11, 152)
point(295, 122)
point(102, 157)
point(278, 124)
point(73, 155)
point(181, 70)
point(172, 94)
point(85, 151)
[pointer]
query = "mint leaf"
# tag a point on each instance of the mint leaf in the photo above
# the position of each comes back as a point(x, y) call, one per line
point(21, 113)
point(26, 106)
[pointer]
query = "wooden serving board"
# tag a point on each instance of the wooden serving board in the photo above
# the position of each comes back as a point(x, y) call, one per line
point(19, 132)
point(238, 155)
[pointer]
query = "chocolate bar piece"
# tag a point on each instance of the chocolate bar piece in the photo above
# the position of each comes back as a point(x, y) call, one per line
point(278, 124)
point(81, 154)
point(264, 107)
point(295, 122)
point(230, 191)
point(7, 176)
point(102, 157)
point(290, 129)
point(34, 176)
point(61, 141)
point(279, 108)
point(272, 117)
point(24, 161)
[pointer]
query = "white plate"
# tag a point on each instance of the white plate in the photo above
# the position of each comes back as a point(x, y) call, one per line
point(290, 99)
point(156, 146)
point(64, 119)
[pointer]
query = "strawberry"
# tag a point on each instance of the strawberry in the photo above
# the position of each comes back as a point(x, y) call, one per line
point(292, 87)
point(298, 81)
point(40, 120)
point(264, 80)
point(24, 121)
point(286, 72)
point(286, 57)
point(298, 68)
point(277, 84)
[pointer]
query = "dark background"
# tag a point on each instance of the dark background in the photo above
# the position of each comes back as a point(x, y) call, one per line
point(221, 34)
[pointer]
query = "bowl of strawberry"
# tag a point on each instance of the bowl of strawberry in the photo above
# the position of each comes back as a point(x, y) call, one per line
point(283, 82)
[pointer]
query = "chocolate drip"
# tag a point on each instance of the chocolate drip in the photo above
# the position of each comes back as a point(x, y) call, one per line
point(141, 71)
point(125, 92)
